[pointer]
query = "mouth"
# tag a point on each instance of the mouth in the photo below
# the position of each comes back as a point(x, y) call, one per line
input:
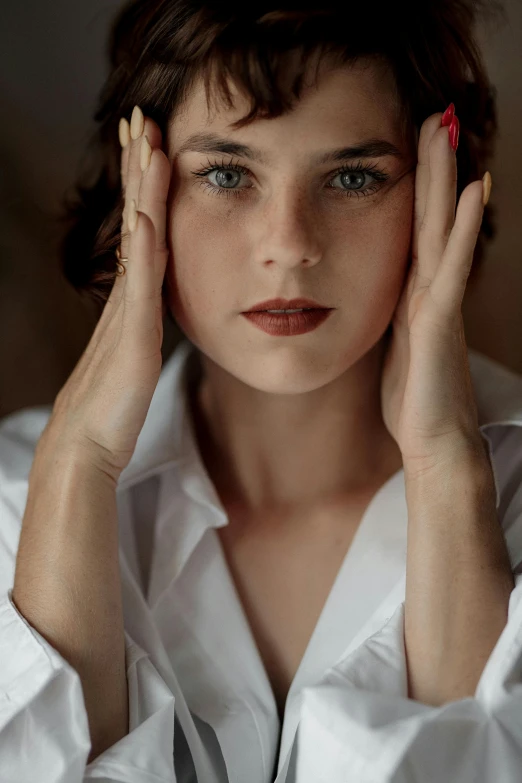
point(288, 312)
point(288, 324)
point(287, 306)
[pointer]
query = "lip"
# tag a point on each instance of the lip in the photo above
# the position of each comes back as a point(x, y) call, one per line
point(286, 304)
point(289, 324)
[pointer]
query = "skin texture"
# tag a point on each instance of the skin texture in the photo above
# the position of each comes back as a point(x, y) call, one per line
point(294, 431)
point(295, 451)
point(285, 425)
point(289, 421)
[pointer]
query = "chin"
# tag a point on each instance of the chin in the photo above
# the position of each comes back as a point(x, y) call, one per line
point(287, 370)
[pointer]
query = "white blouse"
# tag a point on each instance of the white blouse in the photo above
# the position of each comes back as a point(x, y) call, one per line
point(201, 705)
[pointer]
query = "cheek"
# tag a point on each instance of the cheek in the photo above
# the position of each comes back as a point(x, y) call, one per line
point(392, 237)
point(202, 245)
point(374, 247)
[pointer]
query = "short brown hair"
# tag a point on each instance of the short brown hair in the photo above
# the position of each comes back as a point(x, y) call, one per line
point(159, 47)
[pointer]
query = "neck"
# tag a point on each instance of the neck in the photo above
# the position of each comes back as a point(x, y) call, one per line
point(267, 452)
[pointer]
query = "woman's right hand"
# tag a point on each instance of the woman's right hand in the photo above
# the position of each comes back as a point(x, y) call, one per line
point(102, 407)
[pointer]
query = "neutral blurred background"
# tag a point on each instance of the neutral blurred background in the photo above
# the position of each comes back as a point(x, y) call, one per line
point(52, 65)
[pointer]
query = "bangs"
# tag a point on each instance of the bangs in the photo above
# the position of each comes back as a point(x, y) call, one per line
point(265, 51)
point(254, 56)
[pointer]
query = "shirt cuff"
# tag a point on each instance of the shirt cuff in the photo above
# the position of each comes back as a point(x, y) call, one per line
point(359, 724)
point(146, 753)
point(44, 733)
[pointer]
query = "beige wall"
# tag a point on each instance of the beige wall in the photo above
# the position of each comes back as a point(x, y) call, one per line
point(493, 309)
point(51, 67)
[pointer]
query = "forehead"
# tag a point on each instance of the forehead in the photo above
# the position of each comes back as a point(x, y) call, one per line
point(360, 97)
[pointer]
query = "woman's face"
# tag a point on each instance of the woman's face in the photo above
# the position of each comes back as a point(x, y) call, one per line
point(291, 226)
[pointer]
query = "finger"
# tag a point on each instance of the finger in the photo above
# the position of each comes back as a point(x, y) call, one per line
point(153, 132)
point(133, 175)
point(422, 178)
point(153, 175)
point(115, 298)
point(449, 285)
point(154, 188)
point(142, 297)
point(124, 136)
point(439, 216)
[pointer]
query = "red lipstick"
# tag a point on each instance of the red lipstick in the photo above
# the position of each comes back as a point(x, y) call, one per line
point(287, 324)
point(286, 304)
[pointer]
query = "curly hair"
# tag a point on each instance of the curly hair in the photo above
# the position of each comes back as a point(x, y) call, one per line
point(157, 49)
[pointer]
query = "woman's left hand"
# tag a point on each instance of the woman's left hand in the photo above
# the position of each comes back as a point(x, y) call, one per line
point(426, 391)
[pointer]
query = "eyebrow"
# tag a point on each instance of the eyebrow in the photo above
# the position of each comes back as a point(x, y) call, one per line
point(212, 142)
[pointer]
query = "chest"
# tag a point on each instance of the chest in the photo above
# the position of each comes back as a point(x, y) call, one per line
point(283, 571)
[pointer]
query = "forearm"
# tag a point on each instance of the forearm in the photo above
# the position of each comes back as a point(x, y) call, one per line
point(458, 578)
point(67, 582)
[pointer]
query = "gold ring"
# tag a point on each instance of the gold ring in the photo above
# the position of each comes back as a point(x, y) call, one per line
point(120, 269)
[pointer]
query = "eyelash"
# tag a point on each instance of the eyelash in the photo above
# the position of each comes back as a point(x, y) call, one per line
point(379, 175)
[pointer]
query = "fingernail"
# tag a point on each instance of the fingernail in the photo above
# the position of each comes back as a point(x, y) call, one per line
point(145, 153)
point(454, 130)
point(132, 217)
point(486, 184)
point(124, 132)
point(137, 123)
point(448, 115)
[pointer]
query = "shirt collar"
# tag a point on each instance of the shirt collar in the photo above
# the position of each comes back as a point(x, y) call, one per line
point(167, 439)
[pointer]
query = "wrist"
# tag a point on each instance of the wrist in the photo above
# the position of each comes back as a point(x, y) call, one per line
point(58, 453)
point(453, 486)
point(463, 454)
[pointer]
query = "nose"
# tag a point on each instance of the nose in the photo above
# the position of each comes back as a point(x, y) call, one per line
point(288, 231)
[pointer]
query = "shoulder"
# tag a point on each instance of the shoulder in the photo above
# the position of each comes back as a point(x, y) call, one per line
point(506, 458)
point(497, 389)
point(19, 435)
point(498, 392)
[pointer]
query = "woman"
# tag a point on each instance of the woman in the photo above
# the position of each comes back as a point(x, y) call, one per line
point(292, 553)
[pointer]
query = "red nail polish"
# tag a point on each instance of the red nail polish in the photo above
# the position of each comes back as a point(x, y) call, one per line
point(448, 115)
point(454, 130)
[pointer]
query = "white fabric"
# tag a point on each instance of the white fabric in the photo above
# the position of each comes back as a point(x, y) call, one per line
point(201, 706)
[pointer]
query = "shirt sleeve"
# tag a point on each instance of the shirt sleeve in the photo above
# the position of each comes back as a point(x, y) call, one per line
point(44, 733)
point(359, 724)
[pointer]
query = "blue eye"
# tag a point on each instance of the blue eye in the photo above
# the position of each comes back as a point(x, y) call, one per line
point(225, 181)
point(352, 177)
